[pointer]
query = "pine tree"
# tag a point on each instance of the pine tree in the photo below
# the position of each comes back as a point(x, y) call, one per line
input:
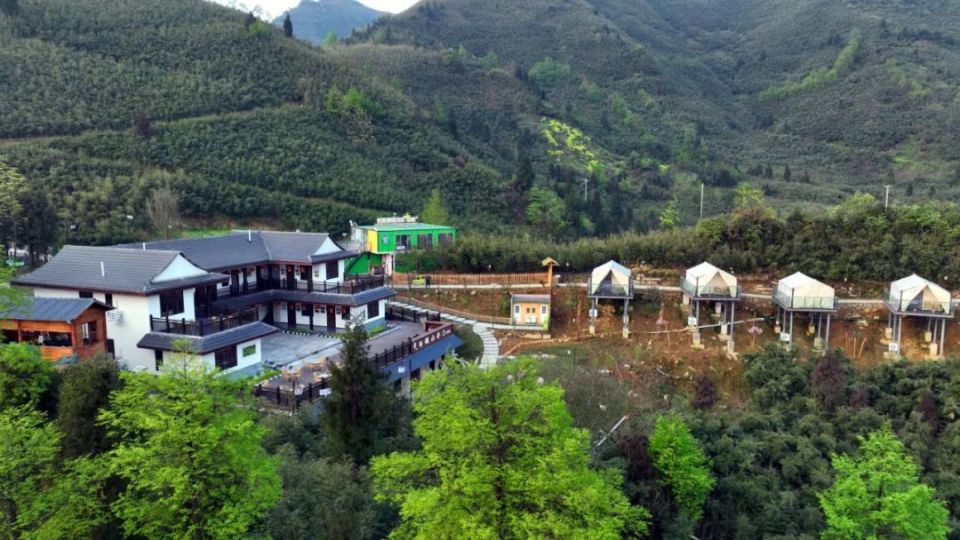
point(10, 7)
point(787, 173)
point(249, 20)
point(434, 211)
point(288, 26)
point(362, 417)
point(142, 127)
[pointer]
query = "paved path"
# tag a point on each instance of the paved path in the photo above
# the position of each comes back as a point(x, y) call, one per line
point(491, 348)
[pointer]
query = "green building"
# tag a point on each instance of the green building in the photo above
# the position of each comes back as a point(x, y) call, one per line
point(380, 243)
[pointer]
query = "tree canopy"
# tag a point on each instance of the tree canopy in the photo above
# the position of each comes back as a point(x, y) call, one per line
point(500, 459)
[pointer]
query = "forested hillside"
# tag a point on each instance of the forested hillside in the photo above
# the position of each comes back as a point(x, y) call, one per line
point(104, 101)
point(811, 99)
point(561, 118)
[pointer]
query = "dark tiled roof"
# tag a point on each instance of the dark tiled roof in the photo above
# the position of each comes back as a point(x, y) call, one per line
point(292, 246)
point(207, 344)
point(242, 248)
point(123, 270)
point(532, 298)
point(51, 309)
point(216, 252)
point(328, 257)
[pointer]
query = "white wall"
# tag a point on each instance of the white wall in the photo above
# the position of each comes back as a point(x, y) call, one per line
point(179, 268)
point(209, 359)
point(320, 272)
point(189, 309)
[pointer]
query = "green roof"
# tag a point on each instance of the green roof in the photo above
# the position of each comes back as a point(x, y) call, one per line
point(394, 227)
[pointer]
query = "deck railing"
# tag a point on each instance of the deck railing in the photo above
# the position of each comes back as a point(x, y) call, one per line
point(204, 327)
point(805, 302)
point(692, 289)
point(895, 301)
point(436, 332)
point(351, 285)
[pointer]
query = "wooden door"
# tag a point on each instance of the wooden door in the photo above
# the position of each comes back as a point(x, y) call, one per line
point(291, 315)
point(331, 317)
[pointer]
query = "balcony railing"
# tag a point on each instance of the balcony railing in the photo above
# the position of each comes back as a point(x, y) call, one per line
point(204, 327)
point(895, 301)
point(413, 345)
point(692, 289)
point(351, 285)
point(805, 302)
point(610, 289)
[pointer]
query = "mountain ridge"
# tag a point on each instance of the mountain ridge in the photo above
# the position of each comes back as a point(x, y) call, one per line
point(313, 20)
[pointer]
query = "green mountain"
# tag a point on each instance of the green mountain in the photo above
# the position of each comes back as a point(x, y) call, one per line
point(313, 20)
point(562, 118)
point(848, 95)
point(251, 127)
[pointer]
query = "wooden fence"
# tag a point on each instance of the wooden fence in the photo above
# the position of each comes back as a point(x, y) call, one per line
point(467, 280)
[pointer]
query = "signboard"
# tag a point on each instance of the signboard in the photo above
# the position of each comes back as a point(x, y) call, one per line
point(785, 337)
point(691, 321)
point(593, 314)
point(894, 347)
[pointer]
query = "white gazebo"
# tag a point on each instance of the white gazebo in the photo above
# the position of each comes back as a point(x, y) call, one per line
point(614, 281)
point(800, 293)
point(915, 296)
point(707, 283)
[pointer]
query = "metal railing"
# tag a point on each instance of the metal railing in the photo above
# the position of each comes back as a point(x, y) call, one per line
point(352, 285)
point(692, 289)
point(805, 302)
point(610, 289)
point(895, 302)
point(203, 327)
point(396, 313)
point(412, 345)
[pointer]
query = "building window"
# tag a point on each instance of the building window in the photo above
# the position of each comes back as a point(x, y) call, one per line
point(403, 240)
point(157, 360)
point(108, 299)
point(306, 310)
point(445, 239)
point(171, 303)
point(345, 313)
point(373, 310)
point(316, 273)
point(531, 310)
point(86, 294)
point(424, 241)
point(225, 358)
point(333, 270)
point(516, 309)
point(88, 331)
point(250, 350)
point(543, 310)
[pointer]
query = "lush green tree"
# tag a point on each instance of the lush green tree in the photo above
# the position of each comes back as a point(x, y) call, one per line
point(331, 39)
point(546, 211)
point(287, 26)
point(501, 458)
point(71, 503)
point(25, 377)
point(302, 432)
point(878, 494)
point(682, 464)
point(12, 187)
point(84, 392)
point(9, 296)
point(322, 499)
point(188, 449)
point(434, 210)
point(28, 453)
point(142, 127)
point(39, 227)
point(362, 416)
point(670, 217)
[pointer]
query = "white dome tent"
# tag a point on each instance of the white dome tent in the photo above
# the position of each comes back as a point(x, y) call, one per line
point(707, 283)
point(914, 296)
point(610, 280)
point(800, 293)
point(706, 280)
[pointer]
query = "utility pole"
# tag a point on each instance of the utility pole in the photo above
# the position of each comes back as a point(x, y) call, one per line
point(585, 181)
point(701, 200)
point(886, 198)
